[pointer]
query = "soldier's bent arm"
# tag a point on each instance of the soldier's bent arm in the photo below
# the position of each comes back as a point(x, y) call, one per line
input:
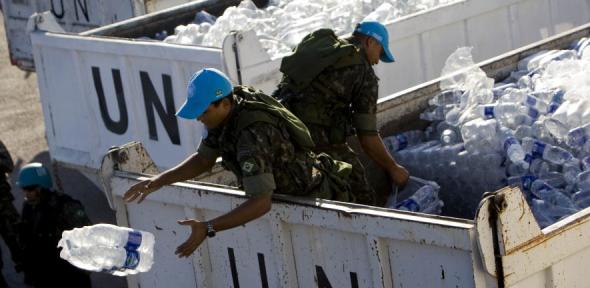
point(375, 149)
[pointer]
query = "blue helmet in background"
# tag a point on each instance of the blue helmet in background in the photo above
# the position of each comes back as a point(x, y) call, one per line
point(205, 87)
point(34, 174)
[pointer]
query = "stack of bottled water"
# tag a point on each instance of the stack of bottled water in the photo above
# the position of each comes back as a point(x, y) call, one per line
point(108, 248)
point(282, 25)
point(423, 197)
point(531, 130)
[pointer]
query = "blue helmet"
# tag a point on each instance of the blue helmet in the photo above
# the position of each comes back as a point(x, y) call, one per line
point(379, 32)
point(205, 87)
point(34, 174)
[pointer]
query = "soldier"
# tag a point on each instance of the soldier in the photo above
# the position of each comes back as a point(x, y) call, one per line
point(9, 216)
point(46, 214)
point(261, 142)
point(330, 85)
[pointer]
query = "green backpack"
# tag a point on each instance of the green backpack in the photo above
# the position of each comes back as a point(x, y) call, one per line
point(317, 51)
point(255, 101)
point(335, 185)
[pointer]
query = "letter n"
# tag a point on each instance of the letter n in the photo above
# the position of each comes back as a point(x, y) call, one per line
point(152, 102)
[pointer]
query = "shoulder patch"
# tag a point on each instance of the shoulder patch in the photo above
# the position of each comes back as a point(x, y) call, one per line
point(248, 165)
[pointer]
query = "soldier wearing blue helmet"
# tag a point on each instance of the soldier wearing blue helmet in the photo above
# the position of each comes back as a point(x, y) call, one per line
point(46, 214)
point(261, 142)
point(329, 83)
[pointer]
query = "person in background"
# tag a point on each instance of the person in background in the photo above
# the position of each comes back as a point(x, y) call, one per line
point(329, 83)
point(46, 214)
point(9, 216)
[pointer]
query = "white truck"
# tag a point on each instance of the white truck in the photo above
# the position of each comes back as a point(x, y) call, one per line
point(73, 16)
point(319, 243)
point(307, 243)
point(101, 91)
point(104, 87)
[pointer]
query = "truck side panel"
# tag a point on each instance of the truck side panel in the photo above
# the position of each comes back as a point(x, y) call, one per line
point(154, 72)
point(299, 244)
point(422, 42)
point(118, 91)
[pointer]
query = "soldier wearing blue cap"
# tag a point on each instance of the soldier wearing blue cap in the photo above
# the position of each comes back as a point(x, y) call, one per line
point(329, 83)
point(261, 142)
point(45, 215)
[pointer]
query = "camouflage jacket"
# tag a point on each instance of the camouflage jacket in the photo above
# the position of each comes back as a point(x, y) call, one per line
point(40, 229)
point(43, 223)
point(339, 99)
point(261, 155)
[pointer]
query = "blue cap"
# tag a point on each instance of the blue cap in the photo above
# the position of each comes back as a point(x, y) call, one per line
point(34, 174)
point(379, 32)
point(205, 87)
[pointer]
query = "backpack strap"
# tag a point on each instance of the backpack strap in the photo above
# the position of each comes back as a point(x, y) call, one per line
point(259, 107)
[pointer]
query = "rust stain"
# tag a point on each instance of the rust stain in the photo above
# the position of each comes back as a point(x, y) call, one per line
point(536, 241)
point(521, 210)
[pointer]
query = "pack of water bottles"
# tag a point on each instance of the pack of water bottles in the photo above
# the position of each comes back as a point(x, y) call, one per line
point(108, 248)
point(531, 129)
point(419, 196)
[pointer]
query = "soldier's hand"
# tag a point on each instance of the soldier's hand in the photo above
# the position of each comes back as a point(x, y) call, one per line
point(399, 176)
point(141, 190)
point(198, 234)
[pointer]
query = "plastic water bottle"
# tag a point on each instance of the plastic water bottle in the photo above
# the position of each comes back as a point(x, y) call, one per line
point(424, 197)
point(585, 163)
point(512, 148)
point(580, 45)
point(449, 137)
point(582, 198)
point(507, 113)
point(542, 190)
point(501, 88)
point(524, 182)
point(446, 97)
point(570, 171)
point(556, 101)
point(401, 141)
point(522, 96)
point(578, 136)
point(583, 180)
point(204, 17)
point(523, 131)
point(553, 154)
point(547, 213)
point(108, 248)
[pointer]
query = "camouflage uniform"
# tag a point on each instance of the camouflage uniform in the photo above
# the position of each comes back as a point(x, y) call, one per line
point(8, 214)
point(41, 228)
point(264, 158)
point(341, 102)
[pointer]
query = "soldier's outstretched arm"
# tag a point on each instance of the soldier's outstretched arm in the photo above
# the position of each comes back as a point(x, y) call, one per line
point(248, 211)
point(190, 168)
point(375, 149)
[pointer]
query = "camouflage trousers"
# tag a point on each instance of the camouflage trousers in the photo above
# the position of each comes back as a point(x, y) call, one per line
point(361, 191)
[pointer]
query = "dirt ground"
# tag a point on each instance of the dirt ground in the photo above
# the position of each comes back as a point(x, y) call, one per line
point(23, 132)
